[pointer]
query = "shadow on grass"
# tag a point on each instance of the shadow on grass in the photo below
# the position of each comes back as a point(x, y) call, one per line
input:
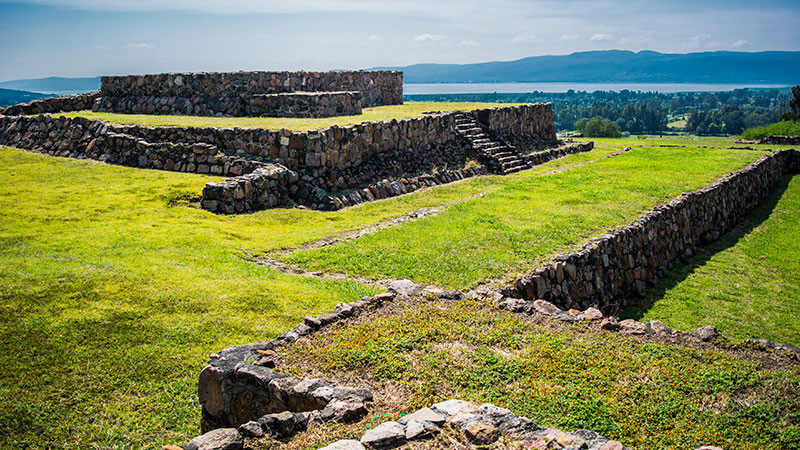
point(681, 270)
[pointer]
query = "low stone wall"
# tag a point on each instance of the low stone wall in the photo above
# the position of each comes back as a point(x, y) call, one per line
point(229, 93)
point(306, 104)
point(80, 102)
point(525, 127)
point(83, 138)
point(270, 186)
point(537, 158)
point(333, 168)
point(239, 384)
point(292, 104)
point(381, 87)
point(780, 140)
point(626, 260)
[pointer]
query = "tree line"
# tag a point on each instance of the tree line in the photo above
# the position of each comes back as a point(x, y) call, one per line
point(636, 112)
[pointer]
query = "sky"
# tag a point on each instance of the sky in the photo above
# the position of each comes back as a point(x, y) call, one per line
point(74, 38)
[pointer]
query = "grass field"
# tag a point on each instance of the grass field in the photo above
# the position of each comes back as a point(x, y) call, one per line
point(747, 285)
point(378, 113)
point(526, 218)
point(114, 288)
point(644, 394)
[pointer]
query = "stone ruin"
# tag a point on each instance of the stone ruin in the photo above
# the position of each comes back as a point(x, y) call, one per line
point(326, 169)
point(250, 94)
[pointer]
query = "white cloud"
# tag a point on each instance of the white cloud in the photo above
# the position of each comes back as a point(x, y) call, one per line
point(375, 37)
point(697, 41)
point(140, 45)
point(569, 37)
point(525, 39)
point(469, 43)
point(601, 37)
point(429, 37)
point(741, 43)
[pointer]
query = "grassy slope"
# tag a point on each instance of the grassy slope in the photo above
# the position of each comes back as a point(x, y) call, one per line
point(646, 395)
point(379, 113)
point(113, 292)
point(527, 219)
point(749, 286)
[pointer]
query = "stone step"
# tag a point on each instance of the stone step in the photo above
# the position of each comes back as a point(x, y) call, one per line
point(469, 127)
point(514, 169)
point(511, 165)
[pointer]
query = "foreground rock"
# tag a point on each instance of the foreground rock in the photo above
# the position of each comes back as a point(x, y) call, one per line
point(220, 439)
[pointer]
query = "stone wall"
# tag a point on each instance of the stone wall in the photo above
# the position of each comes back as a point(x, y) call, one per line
point(80, 102)
point(526, 126)
point(290, 104)
point(780, 140)
point(626, 260)
point(83, 138)
point(306, 104)
point(230, 93)
point(333, 168)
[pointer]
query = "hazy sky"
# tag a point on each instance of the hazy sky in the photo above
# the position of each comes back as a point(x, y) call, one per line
point(93, 37)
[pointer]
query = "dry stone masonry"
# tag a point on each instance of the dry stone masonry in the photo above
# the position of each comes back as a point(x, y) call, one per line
point(323, 169)
point(253, 94)
point(80, 102)
point(626, 260)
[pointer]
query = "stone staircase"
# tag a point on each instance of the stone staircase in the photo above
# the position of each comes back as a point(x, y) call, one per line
point(498, 157)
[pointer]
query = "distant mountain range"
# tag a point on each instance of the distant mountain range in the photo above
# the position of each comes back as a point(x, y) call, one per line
point(618, 66)
point(609, 66)
point(12, 97)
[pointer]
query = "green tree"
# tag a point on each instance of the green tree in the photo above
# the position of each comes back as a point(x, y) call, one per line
point(794, 104)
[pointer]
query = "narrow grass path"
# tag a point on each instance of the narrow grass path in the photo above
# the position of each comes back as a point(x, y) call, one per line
point(374, 114)
point(528, 219)
point(747, 284)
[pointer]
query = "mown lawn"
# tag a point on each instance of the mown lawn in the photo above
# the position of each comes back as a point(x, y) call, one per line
point(747, 285)
point(378, 113)
point(528, 218)
point(114, 288)
point(645, 394)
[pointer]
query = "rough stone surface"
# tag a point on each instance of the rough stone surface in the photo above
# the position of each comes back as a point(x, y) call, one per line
point(219, 439)
point(231, 94)
point(344, 444)
point(386, 435)
point(404, 287)
point(481, 434)
point(424, 415)
point(251, 429)
point(453, 407)
point(630, 326)
point(706, 333)
point(611, 445)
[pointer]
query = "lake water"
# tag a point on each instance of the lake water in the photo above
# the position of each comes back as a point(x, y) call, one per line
point(514, 88)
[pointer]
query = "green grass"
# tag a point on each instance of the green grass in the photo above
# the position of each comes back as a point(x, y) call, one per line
point(113, 289)
point(527, 218)
point(782, 128)
point(646, 395)
point(749, 283)
point(378, 113)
